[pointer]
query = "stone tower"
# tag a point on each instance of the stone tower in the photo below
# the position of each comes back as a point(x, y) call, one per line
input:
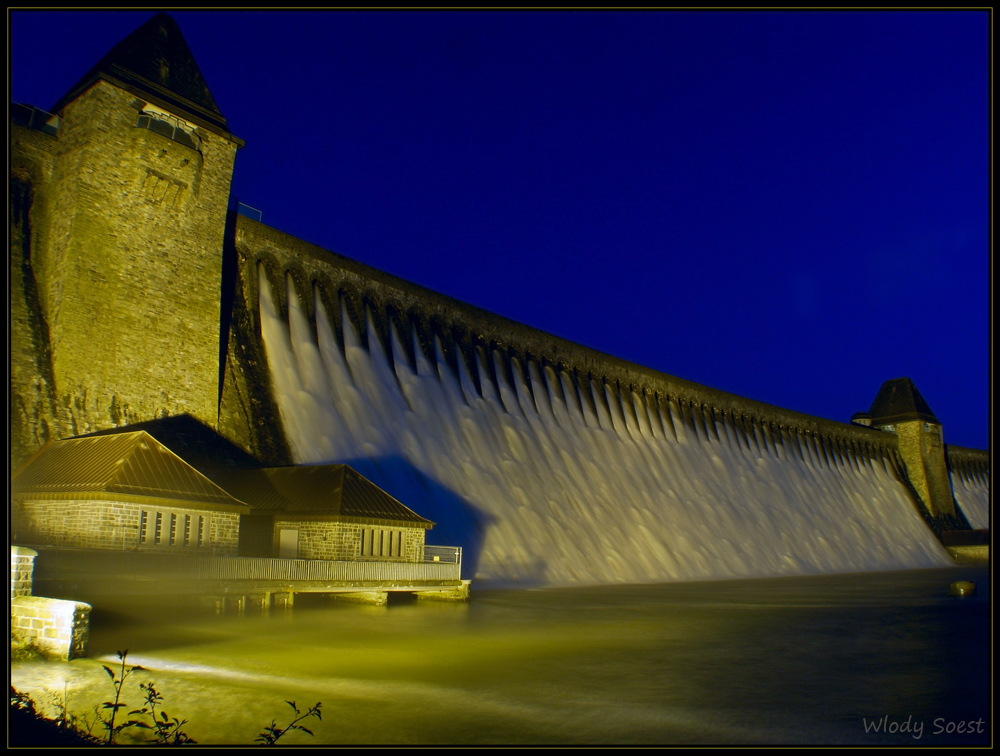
point(900, 409)
point(119, 200)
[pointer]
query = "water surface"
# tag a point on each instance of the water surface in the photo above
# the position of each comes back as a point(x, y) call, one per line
point(781, 660)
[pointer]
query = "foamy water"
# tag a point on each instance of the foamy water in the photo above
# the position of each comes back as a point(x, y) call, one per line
point(543, 488)
point(972, 494)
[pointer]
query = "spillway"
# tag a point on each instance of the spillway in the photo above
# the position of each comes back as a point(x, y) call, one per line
point(545, 479)
point(972, 495)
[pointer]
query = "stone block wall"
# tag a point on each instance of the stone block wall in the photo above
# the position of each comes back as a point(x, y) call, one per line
point(22, 564)
point(77, 524)
point(59, 629)
point(225, 534)
point(112, 525)
point(922, 450)
point(133, 292)
point(116, 264)
point(342, 540)
point(33, 404)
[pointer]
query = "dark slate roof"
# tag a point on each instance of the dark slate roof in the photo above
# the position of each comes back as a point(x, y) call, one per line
point(155, 61)
point(898, 401)
point(130, 464)
point(196, 443)
point(316, 490)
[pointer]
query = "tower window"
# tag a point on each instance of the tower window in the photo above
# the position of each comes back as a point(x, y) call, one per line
point(170, 127)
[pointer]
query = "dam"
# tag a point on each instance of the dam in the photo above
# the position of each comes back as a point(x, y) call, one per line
point(548, 463)
point(549, 476)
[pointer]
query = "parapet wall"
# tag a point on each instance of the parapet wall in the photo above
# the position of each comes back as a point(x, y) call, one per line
point(22, 564)
point(377, 302)
point(59, 629)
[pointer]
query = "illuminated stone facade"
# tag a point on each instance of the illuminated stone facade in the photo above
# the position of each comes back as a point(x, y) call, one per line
point(125, 526)
point(22, 564)
point(922, 449)
point(116, 263)
point(319, 539)
point(57, 628)
point(900, 409)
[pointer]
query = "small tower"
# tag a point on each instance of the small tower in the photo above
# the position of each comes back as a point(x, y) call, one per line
point(900, 409)
point(128, 190)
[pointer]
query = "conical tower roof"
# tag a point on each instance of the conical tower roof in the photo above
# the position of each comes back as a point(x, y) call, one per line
point(898, 401)
point(154, 62)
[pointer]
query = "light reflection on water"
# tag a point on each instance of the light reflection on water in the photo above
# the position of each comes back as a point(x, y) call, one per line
point(789, 660)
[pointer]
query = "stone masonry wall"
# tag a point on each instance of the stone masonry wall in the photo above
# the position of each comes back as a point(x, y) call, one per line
point(225, 533)
point(77, 524)
point(33, 406)
point(22, 564)
point(923, 453)
point(133, 292)
point(123, 229)
point(342, 540)
point(57, 628)
point(112, 525)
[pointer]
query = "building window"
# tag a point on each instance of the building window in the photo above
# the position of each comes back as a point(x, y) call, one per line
point(381, 543)
point(366, 544)
point(170, 127)
point(181, 529)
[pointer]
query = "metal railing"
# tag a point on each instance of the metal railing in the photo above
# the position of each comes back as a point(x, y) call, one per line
point(148, 565)
point(259, 568)
point(443, 554)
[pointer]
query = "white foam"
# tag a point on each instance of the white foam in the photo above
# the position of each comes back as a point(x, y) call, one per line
point(972, 494)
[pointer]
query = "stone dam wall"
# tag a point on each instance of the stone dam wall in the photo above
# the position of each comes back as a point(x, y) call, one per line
point(550, 463)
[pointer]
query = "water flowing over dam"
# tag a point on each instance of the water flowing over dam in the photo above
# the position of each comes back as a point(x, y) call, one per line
point(547, 478)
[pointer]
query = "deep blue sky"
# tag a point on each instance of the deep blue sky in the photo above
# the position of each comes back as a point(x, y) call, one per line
point(793, 207)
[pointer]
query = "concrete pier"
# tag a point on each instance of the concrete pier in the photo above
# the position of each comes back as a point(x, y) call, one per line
point(459, 593)
point(375, 598)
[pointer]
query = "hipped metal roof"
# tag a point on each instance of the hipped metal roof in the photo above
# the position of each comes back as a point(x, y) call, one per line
point(127, 465)
point(899, 401)
point(318, 491)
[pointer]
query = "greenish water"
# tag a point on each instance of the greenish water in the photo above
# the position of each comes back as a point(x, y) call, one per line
point(788, 660)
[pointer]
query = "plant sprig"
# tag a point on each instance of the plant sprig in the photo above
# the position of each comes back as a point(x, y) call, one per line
point(272, 733)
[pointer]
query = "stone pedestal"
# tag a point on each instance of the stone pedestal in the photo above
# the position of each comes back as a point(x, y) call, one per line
point(58, 629)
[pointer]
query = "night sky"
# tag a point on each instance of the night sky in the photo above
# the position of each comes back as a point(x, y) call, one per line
point(792, 207)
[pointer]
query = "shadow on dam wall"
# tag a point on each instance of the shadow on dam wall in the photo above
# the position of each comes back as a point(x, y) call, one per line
point(457, 522)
